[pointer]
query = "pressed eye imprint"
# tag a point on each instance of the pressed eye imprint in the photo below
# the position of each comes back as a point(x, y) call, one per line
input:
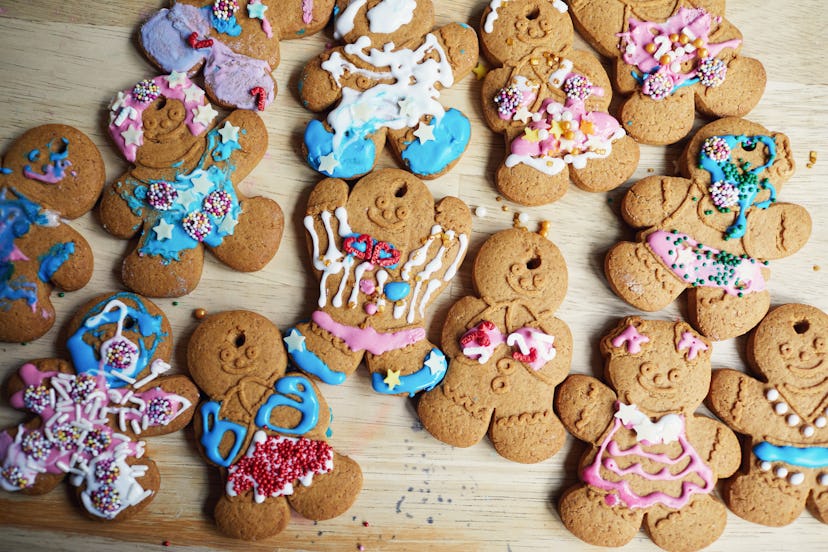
point(129, 322)
point(162, 103)
point(801, 327)
point(533, 263)
point(533, 14)
point(240, 340)
point(401, 191)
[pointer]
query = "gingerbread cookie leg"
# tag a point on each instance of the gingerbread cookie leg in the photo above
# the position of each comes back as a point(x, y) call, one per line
point(528, 431)
point(675, 114)
point(434, 145)
point(583, 509)
point(762, 497)
point(411, 369)
point(677, 530)
point(240, 517)
point(144, 274)
point(332, 493)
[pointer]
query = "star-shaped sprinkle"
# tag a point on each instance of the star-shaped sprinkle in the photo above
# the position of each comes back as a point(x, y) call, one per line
point(229, 133)
point(531, 134)
point(392, 379)
point(629, 414)
point(202, 183)
point(436, 362)
point(227, 225)
point(187, 197)
point(408, 106)
point(133, 135)
point(424, 132)
point(685, 256)
point(204, 114)
point(175, 79)
point(193, 93)
point(480, 70)
point(256, 11)
point(295, 341)
point(163, 230)
point(328, 163)
point(522, 114)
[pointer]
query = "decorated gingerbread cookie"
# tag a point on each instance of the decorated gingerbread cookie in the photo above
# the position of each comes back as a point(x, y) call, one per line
point(671, 58)
point(235, 43)
point(712, 230)
point(784, 413)
point(50, 174)
point(382, 252)
point(550, 102)
point(91, 414)
point(653, 461)
point(507, 352)
point(182, 192)
point(384, 84)
point(265, 428)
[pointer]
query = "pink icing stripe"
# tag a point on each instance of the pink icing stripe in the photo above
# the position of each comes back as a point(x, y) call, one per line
point(632, 338)
point(368, 339)
point(606, 459)
point(307, 11)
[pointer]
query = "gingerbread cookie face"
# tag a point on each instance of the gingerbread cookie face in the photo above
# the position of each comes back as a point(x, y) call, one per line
point(91, 414)
point(50, 174)
point(507, 352)
point(382, 252)
point(783, 414)
point(266, 429)
point(235, 43)
point(551, 104)
point(653, 461)
point(713, 231)
point(182, 192)
point(384, 83)
point(671, 60)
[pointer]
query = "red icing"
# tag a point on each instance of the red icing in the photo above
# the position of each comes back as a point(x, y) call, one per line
point(194, 42)
point(261, 96)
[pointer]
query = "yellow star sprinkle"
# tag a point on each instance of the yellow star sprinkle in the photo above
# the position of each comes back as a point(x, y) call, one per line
point(587, 127)
point(392, 379)
point(480, 70)
point(531, 134)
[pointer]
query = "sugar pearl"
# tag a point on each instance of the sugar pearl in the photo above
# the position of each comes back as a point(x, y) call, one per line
point(797, 478)
point(792, 420)
point(772, 394)
point(820, 422)
point(767, 466)
point(808, 431)
point(780, 408)
point(823, 479)
point(481, 211)
point(781, 472)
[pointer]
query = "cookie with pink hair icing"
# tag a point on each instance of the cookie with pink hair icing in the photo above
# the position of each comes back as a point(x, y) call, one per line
point(181, 194)
point(235, 42)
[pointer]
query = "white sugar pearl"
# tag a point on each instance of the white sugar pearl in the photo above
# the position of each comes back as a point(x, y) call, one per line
point(820, 422)
point(481, 211)
point(675, 67)
point(781, 472)
point(797, 478)
point(823, 479)
point(808, 431)
point(767, 466)
point(772, 394)
point(792, 420)
point(780, 407)
point(523, 218)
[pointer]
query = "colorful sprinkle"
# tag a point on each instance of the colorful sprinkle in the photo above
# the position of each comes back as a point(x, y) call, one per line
point(146, 91)
point(199, 313)
point(106, 499)
point(15, 477)
point(217, 203)
point(106, 471)
point(725, 195)
point(577, 87)
point(508, 99)
point(197, 225)
point(36, 445)
point(657, 85)
point(225, 9)
point(159, 411)
point(66, 436)
point(161, 195)
point(36, 399)
point(82, 386)
point(712, 72)
point(716, 148)
point(97, 441)
point(120, 354)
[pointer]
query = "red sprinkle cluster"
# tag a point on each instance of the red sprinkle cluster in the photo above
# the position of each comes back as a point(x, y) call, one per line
point(478, 334)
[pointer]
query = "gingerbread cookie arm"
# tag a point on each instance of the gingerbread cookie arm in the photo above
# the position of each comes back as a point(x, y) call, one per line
point(116, 215)
point(739, 401)
point(299, 18)
point(14, 383)
point(585, 407)
point(68, 263)
point(654, 199)
point(554, 371)
point(252, 139)
point(457, 323)
point(588, 65)
point(716, 443)
point(776, 232)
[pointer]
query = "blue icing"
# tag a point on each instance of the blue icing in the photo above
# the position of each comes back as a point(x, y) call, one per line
point(33, 155)
point(213, 431)
point(639, 79)
point(742, 177)
point(57, 160)
point(228, 26)
point(86, 357)
point(329, 431)
point(806, 457)
point(308, 362)
point(300, 32)
point(4, 170)
point(355, 155)
point(424, 379)
point(52, 260)
point(396, 291)
point(17, 216)
point(451, 136)
point(306, 403)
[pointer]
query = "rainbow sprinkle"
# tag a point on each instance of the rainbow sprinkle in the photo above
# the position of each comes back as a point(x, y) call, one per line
point(106, 499)
point(716, 148)
point(225, 9)
point(217, 203)
point(82, 386)
point(508, 99)
point(14, 476)
point(106, 471)
point(197, 225)
point(161, 195)
point(146, 91)
point(36, 445)
point(159, 411)
point(577, 87)
point(66, 436)
point(712, 72)
point(36, 399)
point(120, 354)
point(96, 441)
point(657, 85)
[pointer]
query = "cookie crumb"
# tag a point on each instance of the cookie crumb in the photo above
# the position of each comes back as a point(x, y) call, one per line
point(651, 170)
point(498, 198)
point(519, 220)
point(504, 208)
point(199, 313)
point(543, 228)
point(481, 211)
point(817, 268)
point(812, 159)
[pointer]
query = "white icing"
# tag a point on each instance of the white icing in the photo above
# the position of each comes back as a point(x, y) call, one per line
point(332, 262)
point(389, 15)
point(488, 25)
point(344, 23)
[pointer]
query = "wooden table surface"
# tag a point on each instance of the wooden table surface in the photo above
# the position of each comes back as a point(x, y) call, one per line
point(62, 61)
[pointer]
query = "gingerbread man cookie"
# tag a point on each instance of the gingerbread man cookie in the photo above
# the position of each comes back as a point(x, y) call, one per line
point(550, 102)
point(671, 59)
point(784, 414)
point(182, 192)
point(712, 230)
point(384, 83)
point(91, 413)
point(653, 460)
point(507, 352)
point(50, 174)
point(235, 43)
point(265, 428)
point(382, 252)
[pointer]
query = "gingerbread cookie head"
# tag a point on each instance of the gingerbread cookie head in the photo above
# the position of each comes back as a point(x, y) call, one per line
point(91, 414)
point(659, 367)
point(50, 174)
point(384, 84)
point(713, 231)
point(182, 193)
point(266, 429)
point(235, 43)
point(551, 104)
point(382, 251)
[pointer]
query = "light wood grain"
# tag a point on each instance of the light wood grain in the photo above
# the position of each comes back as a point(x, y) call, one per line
point(62, 61)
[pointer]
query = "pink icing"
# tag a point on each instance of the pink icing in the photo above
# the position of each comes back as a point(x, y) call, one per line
point(367, 286)
point(50, 176)
point(695, 23)
point(531, 346)
point(307, 11)
point(127, 110)
point(631, 338)
point(692, 343)
point(610, 452)
point(368, 339)
point(266, 28)
point(701, 265)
